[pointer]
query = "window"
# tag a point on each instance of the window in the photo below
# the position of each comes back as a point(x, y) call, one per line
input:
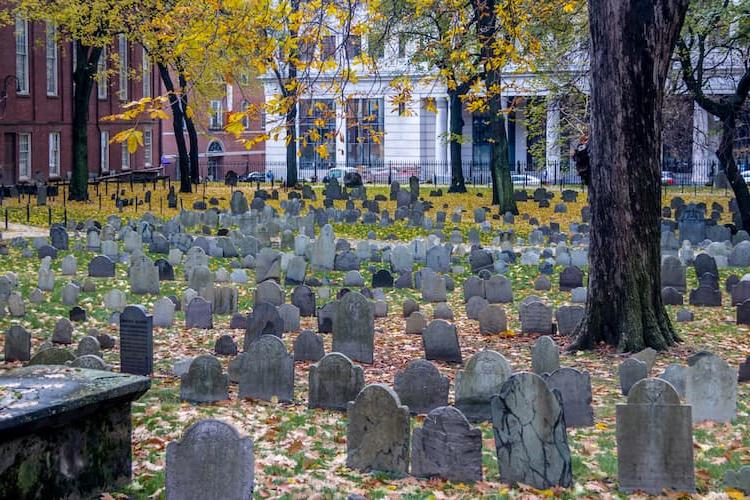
point(54, 154)
point(245, 119)
point(122, 52)
point(124, 156)
point(22, 55)
point(216, 120)
point(364, 131)
point(353, 46)
point(24, 156)
point(101, 75)
point(375, 47)
point(51, 46)
point(104, 151)
point(401, 45)
point(328, 48)
point(146, 77)
point(148, 147)
point(317, 130)
point(244, 78)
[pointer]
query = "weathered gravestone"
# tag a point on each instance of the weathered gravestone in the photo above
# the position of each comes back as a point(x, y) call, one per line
point(447, 447)
point(705, 296)
point(377, 435)
point(421, 387)
point(654, 440)
point(545, 355)
point(269, 372)
point(199, 314)
point(631, 371)
point(164, 312)
point(570, 278)
point(101, 266)
point(530, 436)
point(205, 381)
point(308, 346)
point(304, 299)
point(692, 224)
point(440, 342)
point(568, 318)
point(536, 317)
point(575, 390)
point(56, 424)
point(211, 461)
point(416, 323)
point(354, 328)
point(492, 319)
point(483, 377)
point(136, 341)
point(334, 381)
point(263, 320)
point(673, 274)
point(498, 290)
point(52, 356)
point(17, 344)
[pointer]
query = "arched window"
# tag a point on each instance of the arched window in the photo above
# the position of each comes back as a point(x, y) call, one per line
point(215, 147)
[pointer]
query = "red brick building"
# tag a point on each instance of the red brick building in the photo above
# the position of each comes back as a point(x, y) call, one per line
point(36, 106)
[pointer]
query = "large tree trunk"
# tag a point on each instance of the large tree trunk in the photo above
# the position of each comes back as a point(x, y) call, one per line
point(83, 76)
point(456, 127)
point(178, 117)
point(631, 45)
point(190, 126)
point(725, 153)
point(291, 145)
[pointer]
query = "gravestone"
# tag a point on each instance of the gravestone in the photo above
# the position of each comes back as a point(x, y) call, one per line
point(263, 320)
point(575, 390)
point(654, 440)
point(308, 346)
point(545, 355)
point(744, 371)
point(211, 461)
point(269, 291)
point(58, 236)
point(440, 342)
point(692, 224)
point(334, 381)
point(492, 319)
point(377, 435)
point(354, 328)
point(673, 274)
point(63, 332)
point(474, 306)
point(304, 299)
point(447, 447)
point(568, 318)
point(225, 346)
point(164, 312)
point(498, 290)
point(382, 279)
point(52, 356)
point(711, 388)
point(17, 344)
point(421, 387)
point(269, 371)
point(101, 266)
point(570, 278)
point(136, 341)
point(89, 345)
point(671, 297)
point(199, 314)
point(530, 436)
point(483, 376)
point(705, 296)
point(433, 287)
point(704, 263)
point(289, 316)
point(205, 381)
point(144, 276)
point(416, 323)
point(631, 371)
point(536, 317)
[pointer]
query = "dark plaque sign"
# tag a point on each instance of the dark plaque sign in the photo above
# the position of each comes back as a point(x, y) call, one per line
point(136, 341)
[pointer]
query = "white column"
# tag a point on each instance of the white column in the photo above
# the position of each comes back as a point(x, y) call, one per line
point(441, 144)
point(553, 140)
point(701, 148)
point(340, 140)
point(520, 123)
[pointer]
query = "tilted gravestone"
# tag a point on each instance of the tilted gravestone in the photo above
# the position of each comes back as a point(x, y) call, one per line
point(269, 371)
point(205, 381)
point(530, 436)
point(654, 440)
point(377, 435)
point(334, 381)
point(440, 342)
point(421, 387)
point(211, 461)
point(354, 328)
point(631, 371)
point(575, 390)
point(446, 446)
point(136, 341)
point(483, 376)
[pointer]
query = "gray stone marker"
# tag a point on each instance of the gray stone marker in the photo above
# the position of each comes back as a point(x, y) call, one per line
point(575, 390)
point(483, 377)
point(631, 371)
point(545, 355)
point(52, 356)
point(164, 312)
point(738, 480)
point(654, 440)
point(211, 461)
point(304, 298)
point(89, 345)
point(673, 274)
point(440, 342)
point(530, 436)
point(648, 356)
point(17, 344)
point(289, 315)
point(536, 317)
point(416, 323)
point(199, 314)
point(567, 318)
point(711, 388)
point(447, 447)
point(492, 319)
point(308, 346)
point(205, 381)
point(377, 434)
point(136, 341)
point(334, 381)
point(433, 287)
point(498, 290)
point(63, 332)
point(269, 291)
point(263, 320)
point(354, 328)
point(269, 371)
point(421, 387)
point(474, 306)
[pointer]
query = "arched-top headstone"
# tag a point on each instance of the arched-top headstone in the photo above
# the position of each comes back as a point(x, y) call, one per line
point(575, 389)
point(421, 387)
point(354, 327)
point(269, 371)
point(263, 320)
point(484, 375)
point(334, 381)
point(205, 381)
point(440, 342)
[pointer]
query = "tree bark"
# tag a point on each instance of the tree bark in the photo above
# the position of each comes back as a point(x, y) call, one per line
point(83, 76)
point(725, 153)
point(458, 184)
point(190, 126)
point(631, 46)
point(178, 117)
point(291, 145)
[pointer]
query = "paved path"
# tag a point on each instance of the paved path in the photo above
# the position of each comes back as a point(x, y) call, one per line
point(22, 230)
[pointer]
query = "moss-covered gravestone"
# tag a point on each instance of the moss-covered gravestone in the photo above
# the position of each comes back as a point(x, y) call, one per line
point(65, 432)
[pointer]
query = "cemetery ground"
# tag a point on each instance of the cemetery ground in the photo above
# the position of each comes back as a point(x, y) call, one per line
point(302, 452)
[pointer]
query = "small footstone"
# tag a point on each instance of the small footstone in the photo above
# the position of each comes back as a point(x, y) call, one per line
point(225, 346)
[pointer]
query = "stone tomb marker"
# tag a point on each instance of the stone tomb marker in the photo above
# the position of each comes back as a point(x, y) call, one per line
point(269, 371)
point(421, 387)
point(447, 447)
point(17, 344)
point(136, 341)
point(483, 377)
point(334, 381)
point(631, 371)
point(440, 342)
point(205, 381)
point(536, 317)
point(308, 346)
point(377, 434)
point(654, 440)
point(199, 314)
point(530, 435)
point(354, 328)
point(211, 461)
point(575, 389)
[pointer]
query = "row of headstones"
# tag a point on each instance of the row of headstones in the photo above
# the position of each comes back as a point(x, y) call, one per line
point(654, 443)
